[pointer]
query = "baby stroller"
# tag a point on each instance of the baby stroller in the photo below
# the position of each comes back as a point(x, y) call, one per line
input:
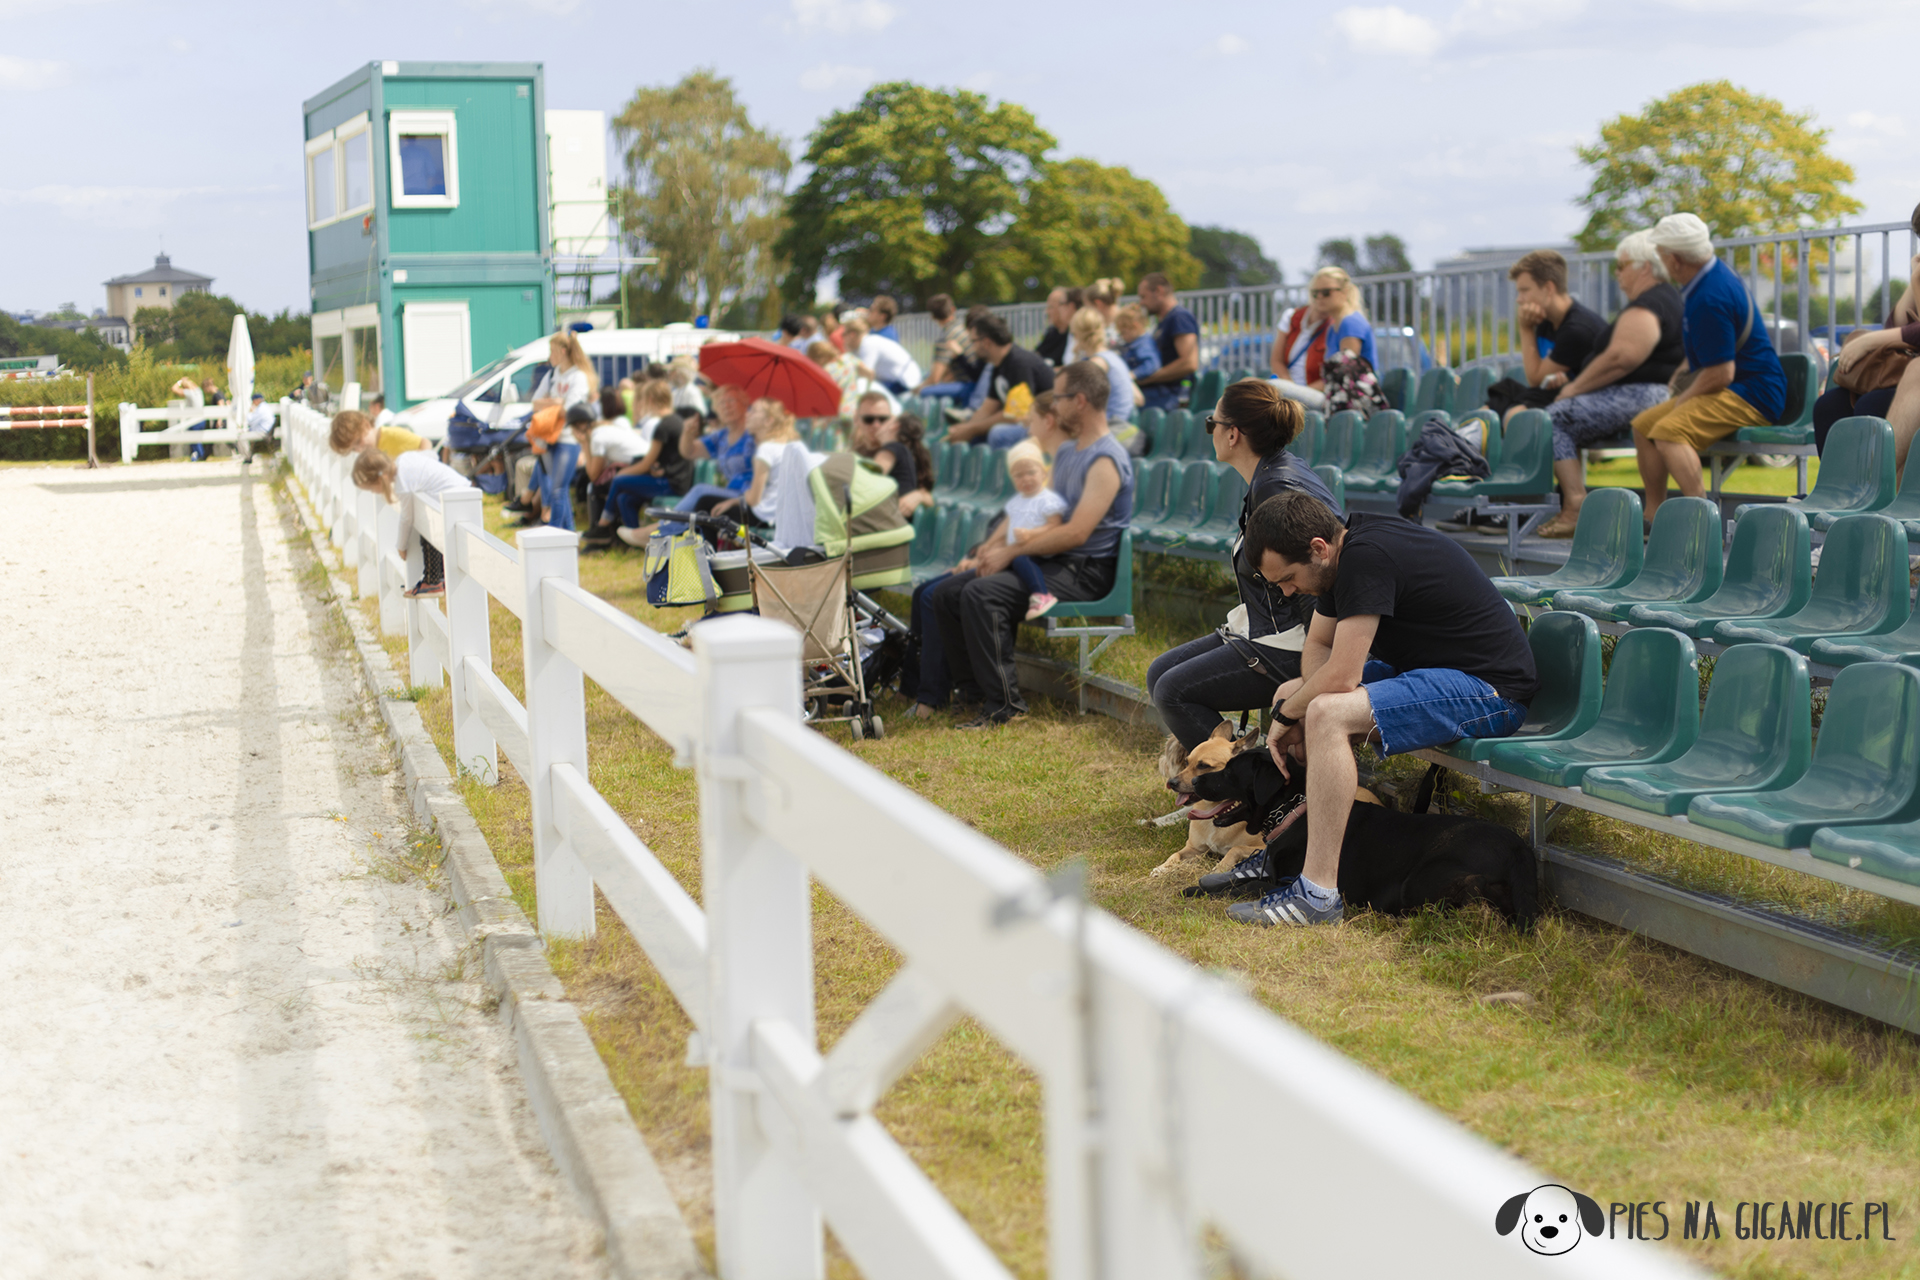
point(851, 647)
point(481, 446)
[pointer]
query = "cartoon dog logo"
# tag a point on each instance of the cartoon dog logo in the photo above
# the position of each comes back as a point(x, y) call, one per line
point(1550, 1218)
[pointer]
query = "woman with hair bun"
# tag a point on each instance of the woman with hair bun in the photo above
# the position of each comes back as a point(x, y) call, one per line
point(1242, 665)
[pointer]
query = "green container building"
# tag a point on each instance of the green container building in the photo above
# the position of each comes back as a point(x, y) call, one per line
point(428, 247)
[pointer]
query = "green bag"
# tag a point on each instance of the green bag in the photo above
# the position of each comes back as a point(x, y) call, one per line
point(679, 570)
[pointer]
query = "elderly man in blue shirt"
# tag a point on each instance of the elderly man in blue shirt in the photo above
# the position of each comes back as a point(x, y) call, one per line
point(1737, 378)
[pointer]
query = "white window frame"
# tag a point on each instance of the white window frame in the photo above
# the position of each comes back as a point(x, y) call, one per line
point(360, 124)
point(420, 122)
point(416, 388)
point(315, 146)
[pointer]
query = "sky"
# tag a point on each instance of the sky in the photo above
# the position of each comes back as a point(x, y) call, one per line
point(132, 126)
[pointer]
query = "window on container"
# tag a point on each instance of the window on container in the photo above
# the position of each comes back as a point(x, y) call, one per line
point(321, 185)
point(424, 160)
point(366, 360)
point(327, 364)
point(356, 166)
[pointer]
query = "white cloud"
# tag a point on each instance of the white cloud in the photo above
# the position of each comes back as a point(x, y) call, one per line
point(1388, 30)
point(1231, 46)
point(1505, 17)
point(981, 81)
point(828, 76)
point(27, 75)
point(843, 16)
point(1872, 122)
point(120, 206)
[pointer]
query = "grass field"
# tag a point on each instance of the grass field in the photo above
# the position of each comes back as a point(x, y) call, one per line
point(1631, 1071)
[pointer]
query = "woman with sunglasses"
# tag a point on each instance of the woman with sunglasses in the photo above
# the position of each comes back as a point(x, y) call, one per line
point(1331, 324)
point(1240, 666)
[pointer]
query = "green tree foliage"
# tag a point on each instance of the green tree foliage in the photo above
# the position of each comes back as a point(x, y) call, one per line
point(1384, 254)
point(1229, 259)
point(702, 194)
point(912, 193)
point(84, 350)
point(1742, 162)
point(1085, 221)
point(200, 327)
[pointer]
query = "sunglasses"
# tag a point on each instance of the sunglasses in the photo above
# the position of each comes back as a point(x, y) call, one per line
point(1211, 422)
point(874, 420)
point(1324, 293)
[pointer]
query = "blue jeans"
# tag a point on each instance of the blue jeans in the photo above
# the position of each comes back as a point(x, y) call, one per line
point(1432, 706)
point(1023, 568)
point(1194, 684)
point(946, 390)
point(627, 496)
point(702, 497)
point(1006, 435)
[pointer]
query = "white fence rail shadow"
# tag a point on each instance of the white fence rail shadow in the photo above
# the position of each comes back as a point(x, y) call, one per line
point(1172, 1102)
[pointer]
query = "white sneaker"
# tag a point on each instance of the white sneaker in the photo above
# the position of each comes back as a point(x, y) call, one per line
point(632, 537)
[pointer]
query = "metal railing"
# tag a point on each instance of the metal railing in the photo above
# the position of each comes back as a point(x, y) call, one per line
point(1461, 315)
point(1172, 1103)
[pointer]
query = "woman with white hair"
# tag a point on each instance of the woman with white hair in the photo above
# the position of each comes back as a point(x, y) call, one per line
point(1636, 357)
point(1737, 379)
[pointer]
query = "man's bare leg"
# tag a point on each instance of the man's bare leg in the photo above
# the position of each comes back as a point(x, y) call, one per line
point(1653, 472)
point(1683, 464)
point(1333, 721)
point(1904, 414)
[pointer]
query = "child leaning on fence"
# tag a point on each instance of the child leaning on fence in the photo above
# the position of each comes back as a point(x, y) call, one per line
point(353, 432)
point(1032, 507)
point(413, 472)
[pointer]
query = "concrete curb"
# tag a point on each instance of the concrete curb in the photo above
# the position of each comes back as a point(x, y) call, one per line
point(586, 1123)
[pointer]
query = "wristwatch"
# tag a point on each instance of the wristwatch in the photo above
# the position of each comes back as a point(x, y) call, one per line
point(1283, 717)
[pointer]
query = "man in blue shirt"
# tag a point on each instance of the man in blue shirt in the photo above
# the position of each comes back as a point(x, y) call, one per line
point(1177, 338)
point(1737, 378)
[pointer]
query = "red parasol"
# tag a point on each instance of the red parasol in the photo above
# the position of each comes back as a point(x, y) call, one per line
point(768, 370)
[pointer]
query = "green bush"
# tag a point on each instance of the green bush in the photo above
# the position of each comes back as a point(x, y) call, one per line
point(142, 381)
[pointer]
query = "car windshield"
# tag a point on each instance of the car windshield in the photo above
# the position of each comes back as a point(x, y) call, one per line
point(479, 379)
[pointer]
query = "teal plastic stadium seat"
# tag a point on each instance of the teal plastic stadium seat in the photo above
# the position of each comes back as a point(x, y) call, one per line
point(1187, 508)
point(1153, 491)
point(1566, 654)
point(927, 522)
point(1516, 373)
point(1803, 388)
point(1525, 465)
point(1436, 389)
point(1341, 440)
point(1307, 444)
point(1336, 484)
point(1856, 473)
point(1756, 734)
point(1206, 392)
point(1865, 769)
point(1150, 421)
point(1681, 565)
point(1377, 469)
point(1492, 435)
point(1397, 385)
point(1226, 492)
point(1118, 602)
point(1769, 574)
point(1899, 645)
point(1472, 392)
point(1891, 851)
point(1606, 551)
point(1861, 590)
point(1905, 506)
point(1649, 714)
point(948, 544)
point(973, 473)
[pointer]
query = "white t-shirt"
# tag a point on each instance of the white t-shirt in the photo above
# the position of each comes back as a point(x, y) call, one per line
point(888, 360)
point(568, 386)
point(418, 471)
point(1031, 513)
point(690, 397)
point(618, 442)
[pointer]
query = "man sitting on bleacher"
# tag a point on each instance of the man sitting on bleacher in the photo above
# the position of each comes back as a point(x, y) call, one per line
point(1737, 380)
point(1410, 647)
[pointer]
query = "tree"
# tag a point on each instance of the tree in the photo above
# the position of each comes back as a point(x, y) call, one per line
point(702, 194)
point(1384, 254)
point(1230, 258)
point(912, 192)
point(84, 350)
point(1744, 163)
point(1085, 220)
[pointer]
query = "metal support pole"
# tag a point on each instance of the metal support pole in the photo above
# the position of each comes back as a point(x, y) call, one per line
point(556, 701)
point(759, 953)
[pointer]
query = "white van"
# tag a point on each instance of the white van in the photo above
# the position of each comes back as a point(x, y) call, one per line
point(500, 392)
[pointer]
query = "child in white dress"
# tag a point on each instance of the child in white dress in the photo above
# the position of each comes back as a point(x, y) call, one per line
point(1032, 508)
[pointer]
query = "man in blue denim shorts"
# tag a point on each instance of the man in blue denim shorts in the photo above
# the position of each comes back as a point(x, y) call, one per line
point(1410, 647)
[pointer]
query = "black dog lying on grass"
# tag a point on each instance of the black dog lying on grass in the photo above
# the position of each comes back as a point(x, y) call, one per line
point(1393, 862)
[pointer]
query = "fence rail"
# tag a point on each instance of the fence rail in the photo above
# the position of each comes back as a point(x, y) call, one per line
point(1150, 1068)
point(1462, 313)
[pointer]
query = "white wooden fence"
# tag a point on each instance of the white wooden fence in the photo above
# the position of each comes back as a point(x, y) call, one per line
point(1172, 1102)
point(223, 424)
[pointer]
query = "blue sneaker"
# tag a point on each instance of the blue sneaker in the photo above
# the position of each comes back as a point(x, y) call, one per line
point(1244, 880)
point(1289, 905)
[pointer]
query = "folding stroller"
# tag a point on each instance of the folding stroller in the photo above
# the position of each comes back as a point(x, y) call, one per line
point(482, 445)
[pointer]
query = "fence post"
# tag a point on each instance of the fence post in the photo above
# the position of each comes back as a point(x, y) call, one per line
point(423, 668)
point(363, 549)
point(393, 615)
point(556, 701)
point(129, 429)
point(337, 499)
point(759, 954)
point(469, 635)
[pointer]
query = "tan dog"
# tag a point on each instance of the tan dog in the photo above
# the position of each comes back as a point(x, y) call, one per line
point(1178, 768)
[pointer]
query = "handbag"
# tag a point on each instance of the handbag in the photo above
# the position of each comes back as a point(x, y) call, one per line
point(679, 569)
point(1882, 368)
point(544, 427)
point(1351, 384)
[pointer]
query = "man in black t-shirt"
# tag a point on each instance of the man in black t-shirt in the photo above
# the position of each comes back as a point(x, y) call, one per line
point(1013, 368)
point(1557, 334)
point(1410, 647)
